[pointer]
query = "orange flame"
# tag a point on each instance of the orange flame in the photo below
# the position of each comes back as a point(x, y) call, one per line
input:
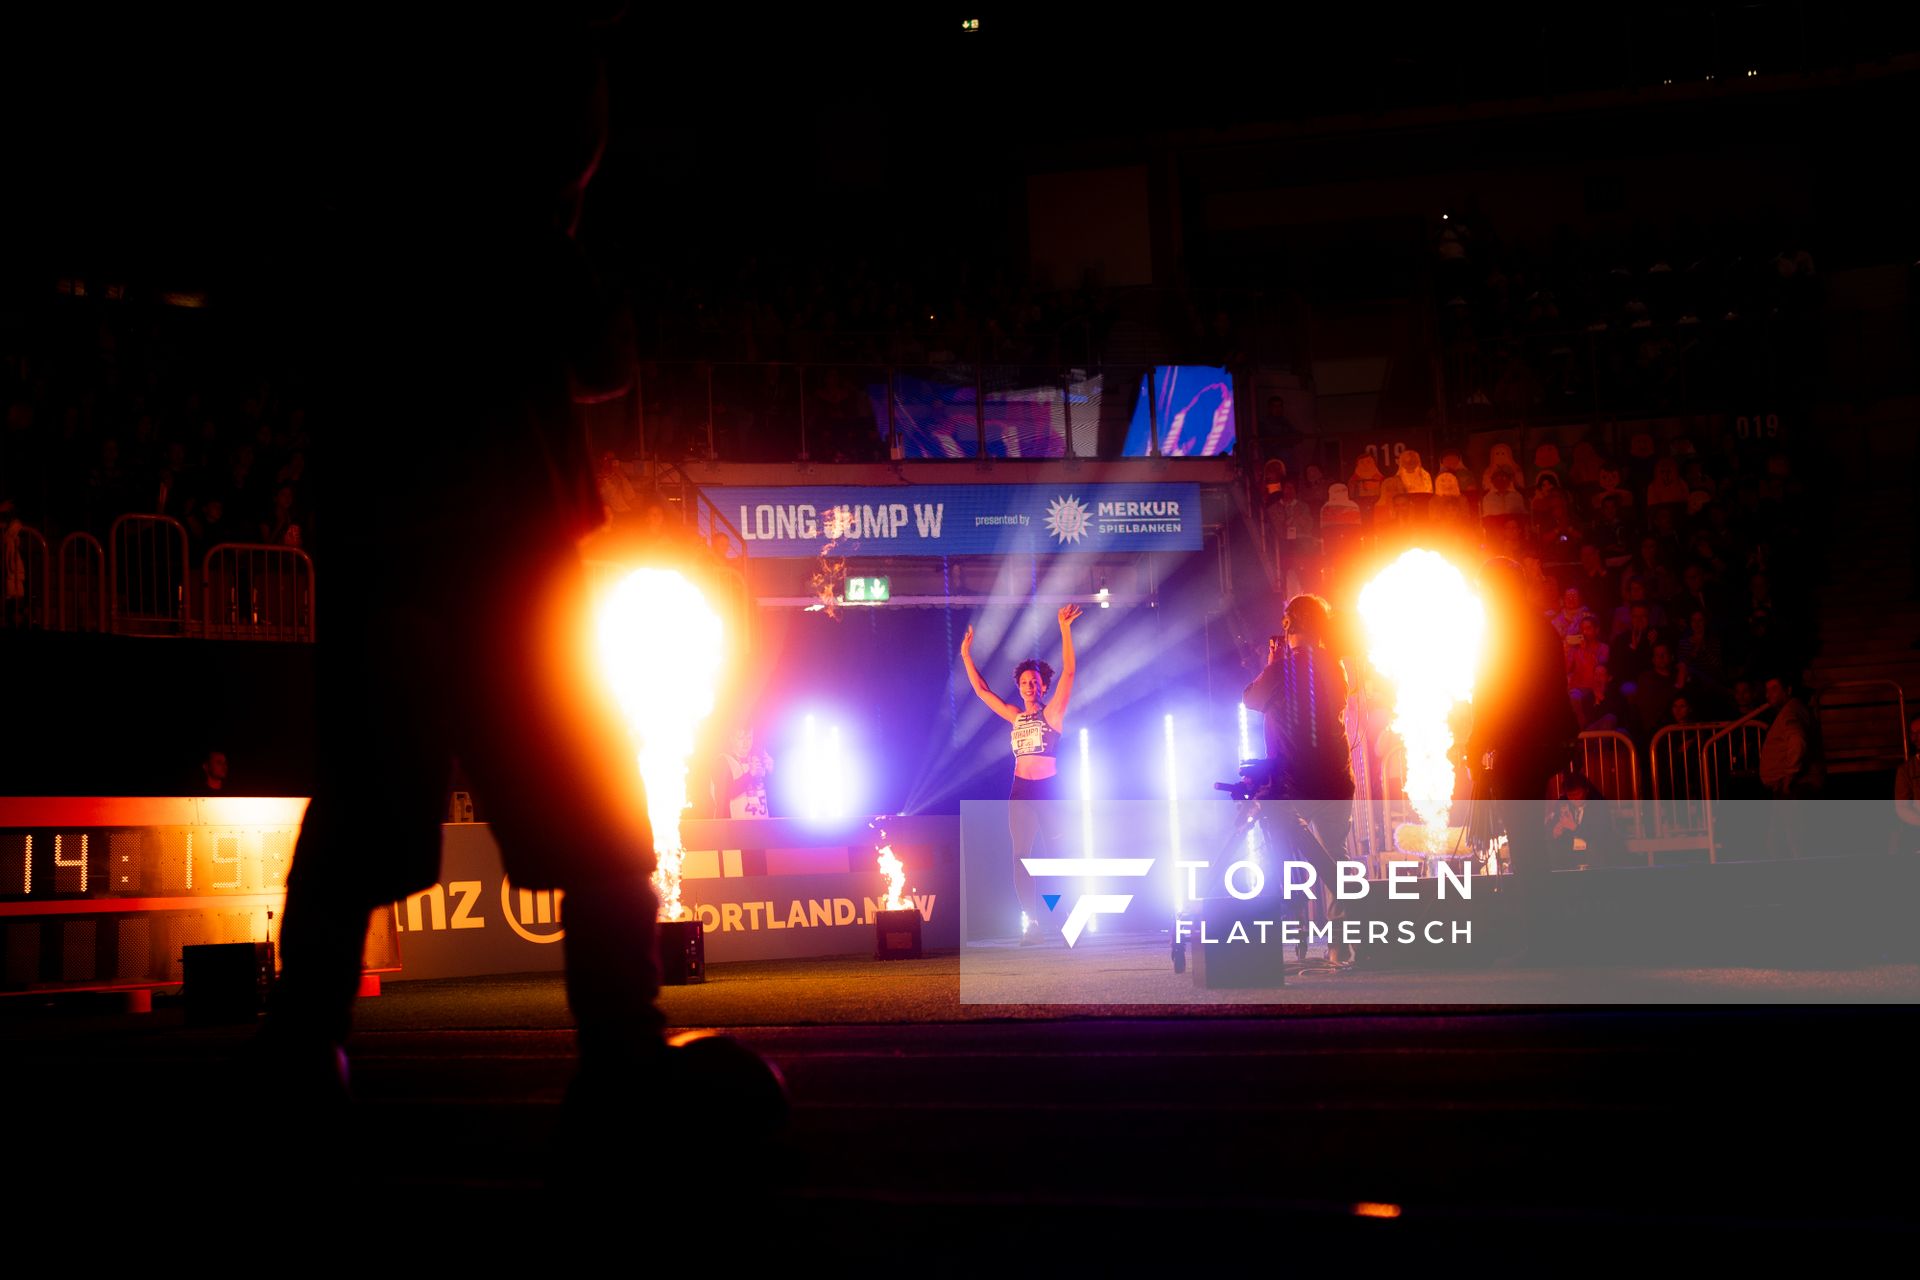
point(896, 873)
point(660, 645)
point(1423, 632)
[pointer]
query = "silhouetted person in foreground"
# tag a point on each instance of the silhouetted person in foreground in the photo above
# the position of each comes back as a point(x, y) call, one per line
point(455, 331)
point(1302, 692)
point(1523, 728)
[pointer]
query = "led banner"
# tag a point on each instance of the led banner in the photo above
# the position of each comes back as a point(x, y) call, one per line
point(801, 522)
point(763, 903)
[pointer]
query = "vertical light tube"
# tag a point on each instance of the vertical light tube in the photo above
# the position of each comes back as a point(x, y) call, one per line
point(836, 776)
point(1086, 811)
point(1173, 819)
point(810, 770)
point(1246, 753)
point(1086, 798)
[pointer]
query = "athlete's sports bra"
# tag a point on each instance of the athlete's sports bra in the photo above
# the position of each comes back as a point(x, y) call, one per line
point(1033, 736)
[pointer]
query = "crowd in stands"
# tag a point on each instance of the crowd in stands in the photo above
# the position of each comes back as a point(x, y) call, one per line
point(111, 411)
point(1679, 578)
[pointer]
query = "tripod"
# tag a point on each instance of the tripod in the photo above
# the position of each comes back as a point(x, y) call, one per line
point(1251, 814)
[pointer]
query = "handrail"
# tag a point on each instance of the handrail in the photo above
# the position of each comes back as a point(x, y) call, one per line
point(172, 600)
point(700, 501)
point(1620, 744)
point(217, 620)
point(1730, 727)
point(61, 560)
point(1706, 775)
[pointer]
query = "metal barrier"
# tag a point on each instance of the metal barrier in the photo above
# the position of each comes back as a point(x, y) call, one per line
point(148, 577)
point(24, 583)
point(81, 569)
point(1862, 705)
point(1606, 758)
point(1687, 764)
point(1735, 749)
point(256, 591)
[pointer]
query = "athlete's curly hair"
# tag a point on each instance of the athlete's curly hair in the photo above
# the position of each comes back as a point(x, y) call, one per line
point(1039, 668)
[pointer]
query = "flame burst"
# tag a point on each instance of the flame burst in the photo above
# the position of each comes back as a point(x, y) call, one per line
point(660, 645)
point(896, 873)
point(1424, 627)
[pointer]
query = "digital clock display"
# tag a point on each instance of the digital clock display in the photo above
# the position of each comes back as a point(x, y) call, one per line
point(107, 891)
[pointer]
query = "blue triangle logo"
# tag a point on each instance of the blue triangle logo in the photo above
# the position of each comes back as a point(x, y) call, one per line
point(1051, 899)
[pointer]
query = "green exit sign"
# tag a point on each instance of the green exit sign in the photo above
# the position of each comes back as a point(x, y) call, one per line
point(868, 590)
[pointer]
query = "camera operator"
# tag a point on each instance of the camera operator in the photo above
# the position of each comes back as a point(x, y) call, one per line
point(1303, 695)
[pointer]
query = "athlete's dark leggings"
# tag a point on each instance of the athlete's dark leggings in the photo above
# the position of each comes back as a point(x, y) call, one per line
point(1033, 820)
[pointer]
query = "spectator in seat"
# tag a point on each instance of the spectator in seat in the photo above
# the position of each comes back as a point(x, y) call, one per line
point(1701, 487)
point(1667, 488)
point(1364, 485)
point(1700, 649)
point(1586, 652)
point(281, 527)
point(1611, 531)
point(1501, 458)
point(1313, 490)
point(1609, 486)
point(1551, 514)
point(1792, 764)
point(1340, 529)
point(1546, 461)
point(1792, 767)
point(1449, 512)
point(1452, 464)
point(1598, 703)
point(1696, 595)
point(1595, 582)
point(1272, 476)
point(1634, 591)
point(1583, 476)
point(1340, 515)
point(1651, 699)
point(1651, 566)
point(1501, 507)
point(1572, 613)
point(1296, 533)
point(207, 527)
point(1415, 481)
point(1709, 549)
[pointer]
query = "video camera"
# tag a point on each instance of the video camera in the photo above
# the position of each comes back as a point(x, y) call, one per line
point(1255, 776)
